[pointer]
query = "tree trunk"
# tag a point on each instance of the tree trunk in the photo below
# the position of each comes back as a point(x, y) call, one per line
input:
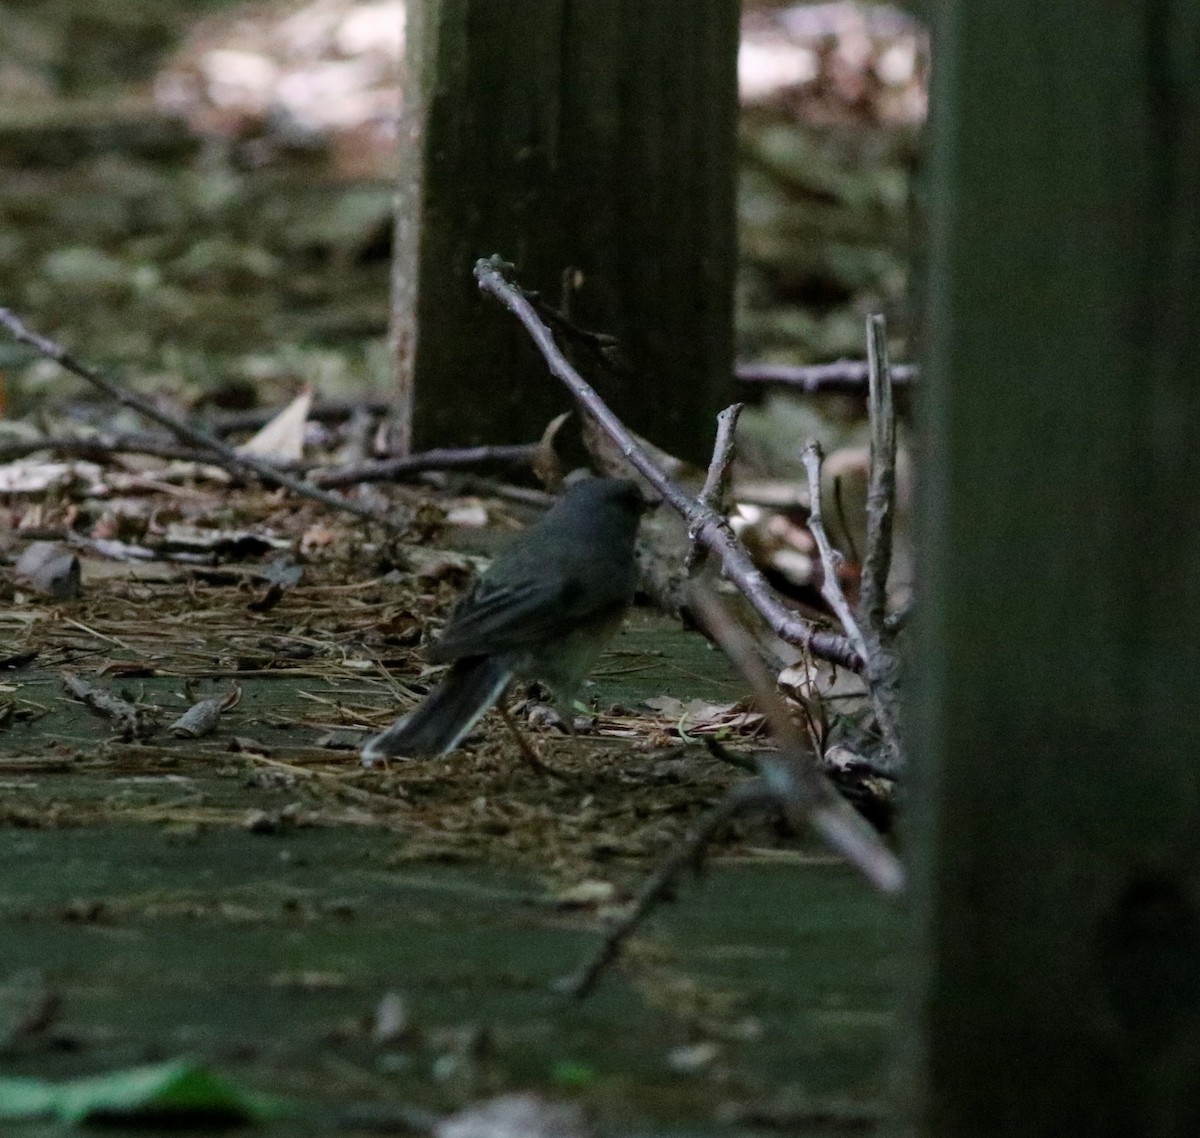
point(1056, 725)
point(596, 135)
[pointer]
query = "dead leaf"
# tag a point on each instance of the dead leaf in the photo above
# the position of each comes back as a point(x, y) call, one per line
point(547, 466)
point(51, 569)
point(693, 1058)
point(317, 537)
point(282, 438)
point(199, 719)
point(469, 515)
point(392, 1023)
point(32, 477)
point(585, 894)
point(697, 716)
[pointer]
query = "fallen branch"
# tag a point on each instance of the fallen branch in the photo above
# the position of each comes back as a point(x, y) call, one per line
point(217, 452)
point(753, 794)
point(491, 488)
point(391, 469)
point(132, 720)
point(877, 670)
point(102, 447)
point(794, 774)
point(705, 525)
point(789, 781)
point(321, 411)
point(851, 377)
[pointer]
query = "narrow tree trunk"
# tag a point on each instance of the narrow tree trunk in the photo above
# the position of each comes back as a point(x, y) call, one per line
point(596, 135)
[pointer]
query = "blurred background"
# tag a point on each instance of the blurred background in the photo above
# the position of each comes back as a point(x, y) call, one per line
point(199, 192)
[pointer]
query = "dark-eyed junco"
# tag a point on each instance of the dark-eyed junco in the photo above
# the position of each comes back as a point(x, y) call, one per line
point(542, 611)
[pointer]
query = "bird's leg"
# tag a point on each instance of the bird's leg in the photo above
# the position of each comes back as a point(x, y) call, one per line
point(553, 699)
point(566, 716)
point(531, 757)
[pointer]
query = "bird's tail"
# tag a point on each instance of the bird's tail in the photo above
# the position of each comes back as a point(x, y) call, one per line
point(440, 723)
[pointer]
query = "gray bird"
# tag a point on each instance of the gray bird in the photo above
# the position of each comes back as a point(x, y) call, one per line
point(543, 611)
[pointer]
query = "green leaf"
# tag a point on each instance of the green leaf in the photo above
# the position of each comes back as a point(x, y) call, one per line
point(179, 1089)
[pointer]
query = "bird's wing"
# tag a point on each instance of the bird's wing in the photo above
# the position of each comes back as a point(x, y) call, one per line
point(514, 615)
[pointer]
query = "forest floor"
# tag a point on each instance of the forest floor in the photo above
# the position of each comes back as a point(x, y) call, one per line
point(255, 898)
point(251, 899)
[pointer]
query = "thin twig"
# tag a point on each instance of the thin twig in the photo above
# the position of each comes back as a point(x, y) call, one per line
point(97, 448)
point(605, 348)
point(789, 781)
point(881, 490)
point(715, 490)
point(519, 495)
point(220, 453)
point(877, 670)
point(753, 794)
point(794, 774)
point(321, 411)
point(704, 524)
point(102, 447)
point(845, 376)
point(528, 755)
point(716, 482)
point(392, 469)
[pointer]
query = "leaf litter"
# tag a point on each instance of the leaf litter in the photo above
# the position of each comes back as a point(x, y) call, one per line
point(227, 586)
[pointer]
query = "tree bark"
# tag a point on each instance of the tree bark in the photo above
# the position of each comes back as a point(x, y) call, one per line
point(596, 135)
point(1056, 721)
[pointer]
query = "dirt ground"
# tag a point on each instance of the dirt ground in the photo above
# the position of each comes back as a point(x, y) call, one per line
point(361, 942)
point(255, 898)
